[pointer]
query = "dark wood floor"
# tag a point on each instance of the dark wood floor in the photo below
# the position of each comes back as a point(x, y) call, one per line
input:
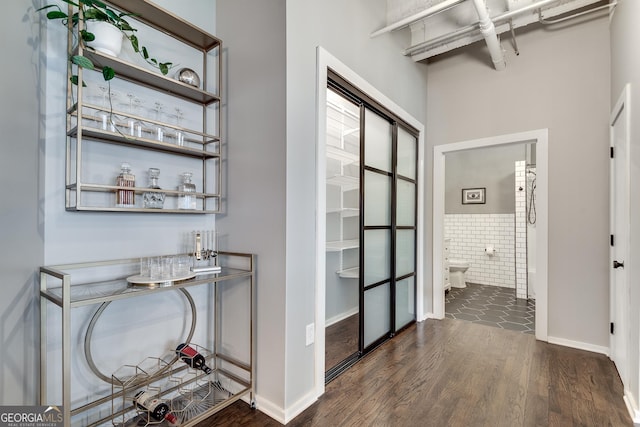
point(455, 373)
point(341, 341)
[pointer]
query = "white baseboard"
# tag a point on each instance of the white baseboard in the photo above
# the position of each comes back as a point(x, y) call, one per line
point(299, 406)
point(271, 409)
point(430, 315)
point(632, 407)
point(341, 316)
point(283, 416)
point(424, 317)
point(579, 345)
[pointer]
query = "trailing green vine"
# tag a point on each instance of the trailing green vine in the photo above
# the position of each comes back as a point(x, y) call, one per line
point(96, 10)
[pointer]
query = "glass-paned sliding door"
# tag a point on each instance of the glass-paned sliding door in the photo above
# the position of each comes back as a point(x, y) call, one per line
point(377, 175)
point(405, 230)
point(371, 198)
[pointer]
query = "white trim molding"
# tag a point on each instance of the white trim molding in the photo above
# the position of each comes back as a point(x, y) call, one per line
point(579, 345)
point(632, 407)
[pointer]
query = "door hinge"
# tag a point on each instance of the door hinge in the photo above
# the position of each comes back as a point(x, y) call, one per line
point(611, 152)
point(612, 240)
point(611, 327)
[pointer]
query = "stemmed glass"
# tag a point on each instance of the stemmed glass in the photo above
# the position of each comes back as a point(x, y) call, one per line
point(159, 129)
point(178, 134)
point(107, 101)
point(94, 118)
point(134, 127)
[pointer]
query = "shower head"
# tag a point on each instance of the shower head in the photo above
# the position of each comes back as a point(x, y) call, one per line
point(530, 171)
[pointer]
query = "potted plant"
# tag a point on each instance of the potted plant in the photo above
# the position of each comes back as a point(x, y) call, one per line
point(93, 14)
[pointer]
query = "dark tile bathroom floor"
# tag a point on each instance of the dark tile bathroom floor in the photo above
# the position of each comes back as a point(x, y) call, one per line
point(492, 306)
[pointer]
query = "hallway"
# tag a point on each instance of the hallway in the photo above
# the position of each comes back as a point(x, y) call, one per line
point(455, 373)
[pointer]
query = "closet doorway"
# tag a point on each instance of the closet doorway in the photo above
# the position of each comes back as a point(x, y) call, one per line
point(371, 162)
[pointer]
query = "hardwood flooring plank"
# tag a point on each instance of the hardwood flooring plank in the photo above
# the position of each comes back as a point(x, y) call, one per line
point(452, 373)
point(341, 341)
point(537, 399)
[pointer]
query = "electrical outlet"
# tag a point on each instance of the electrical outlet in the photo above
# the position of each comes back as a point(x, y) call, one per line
point(311, 331)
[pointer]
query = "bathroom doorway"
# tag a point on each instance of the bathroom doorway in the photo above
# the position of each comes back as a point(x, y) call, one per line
point(494, 252)
point(486, 240)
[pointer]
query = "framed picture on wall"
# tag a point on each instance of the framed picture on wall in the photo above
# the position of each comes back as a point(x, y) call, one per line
point(473, 196)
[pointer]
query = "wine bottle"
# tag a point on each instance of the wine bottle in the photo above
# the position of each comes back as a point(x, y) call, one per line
point(191, 357)
point(157, 409)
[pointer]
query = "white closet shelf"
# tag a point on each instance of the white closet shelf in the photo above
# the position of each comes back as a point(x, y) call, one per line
point(341, 245)
point(345, 212)
point(342, 155)
point(345, 181)
point(349, 273)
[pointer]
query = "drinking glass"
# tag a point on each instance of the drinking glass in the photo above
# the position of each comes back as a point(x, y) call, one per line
point(167, 267)
point(145, 267)
point(155, 267)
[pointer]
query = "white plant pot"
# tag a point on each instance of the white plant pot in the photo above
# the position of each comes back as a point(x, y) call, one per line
point(108, 38)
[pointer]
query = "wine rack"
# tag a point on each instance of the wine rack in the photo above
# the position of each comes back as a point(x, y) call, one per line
point(190, 393)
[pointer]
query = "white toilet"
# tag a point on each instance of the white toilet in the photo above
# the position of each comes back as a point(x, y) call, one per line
point(457, 269)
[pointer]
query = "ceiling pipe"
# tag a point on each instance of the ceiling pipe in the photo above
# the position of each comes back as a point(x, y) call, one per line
point(440, 7)
point(473, 27)
point(575, 15)
point(488, 31)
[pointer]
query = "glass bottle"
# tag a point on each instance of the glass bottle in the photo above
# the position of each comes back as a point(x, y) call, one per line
point(185, 200)
point(192, 357)
point(153, 199)
point(157, 409)
point(125, 198)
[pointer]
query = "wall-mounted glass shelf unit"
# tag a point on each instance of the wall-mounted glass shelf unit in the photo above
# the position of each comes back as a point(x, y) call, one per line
point(190, 130)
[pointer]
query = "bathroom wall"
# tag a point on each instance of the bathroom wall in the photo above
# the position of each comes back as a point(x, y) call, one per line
point(521, 229)
point(474, 226)
point(531, 230)
point(491, 168)
point(471, 233)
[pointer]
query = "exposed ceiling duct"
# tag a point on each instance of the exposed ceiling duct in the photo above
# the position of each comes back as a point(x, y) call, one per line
point(438, 26)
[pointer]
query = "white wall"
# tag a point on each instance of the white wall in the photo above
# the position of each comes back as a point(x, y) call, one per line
point(625, 68)
point(342, 28)
point(21, 215)
point(560, 81)
point(255, 134)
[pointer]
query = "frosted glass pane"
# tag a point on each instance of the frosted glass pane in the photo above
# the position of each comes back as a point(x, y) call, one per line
point(377, 256)
point(405, 305)
point(405, 250)
point(377, 199)
point(406, 201)
point(406, 154)
point(377, 142)
point(377, 313)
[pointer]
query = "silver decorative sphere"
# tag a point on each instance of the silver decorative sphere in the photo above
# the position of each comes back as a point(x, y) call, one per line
point(188, 76)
